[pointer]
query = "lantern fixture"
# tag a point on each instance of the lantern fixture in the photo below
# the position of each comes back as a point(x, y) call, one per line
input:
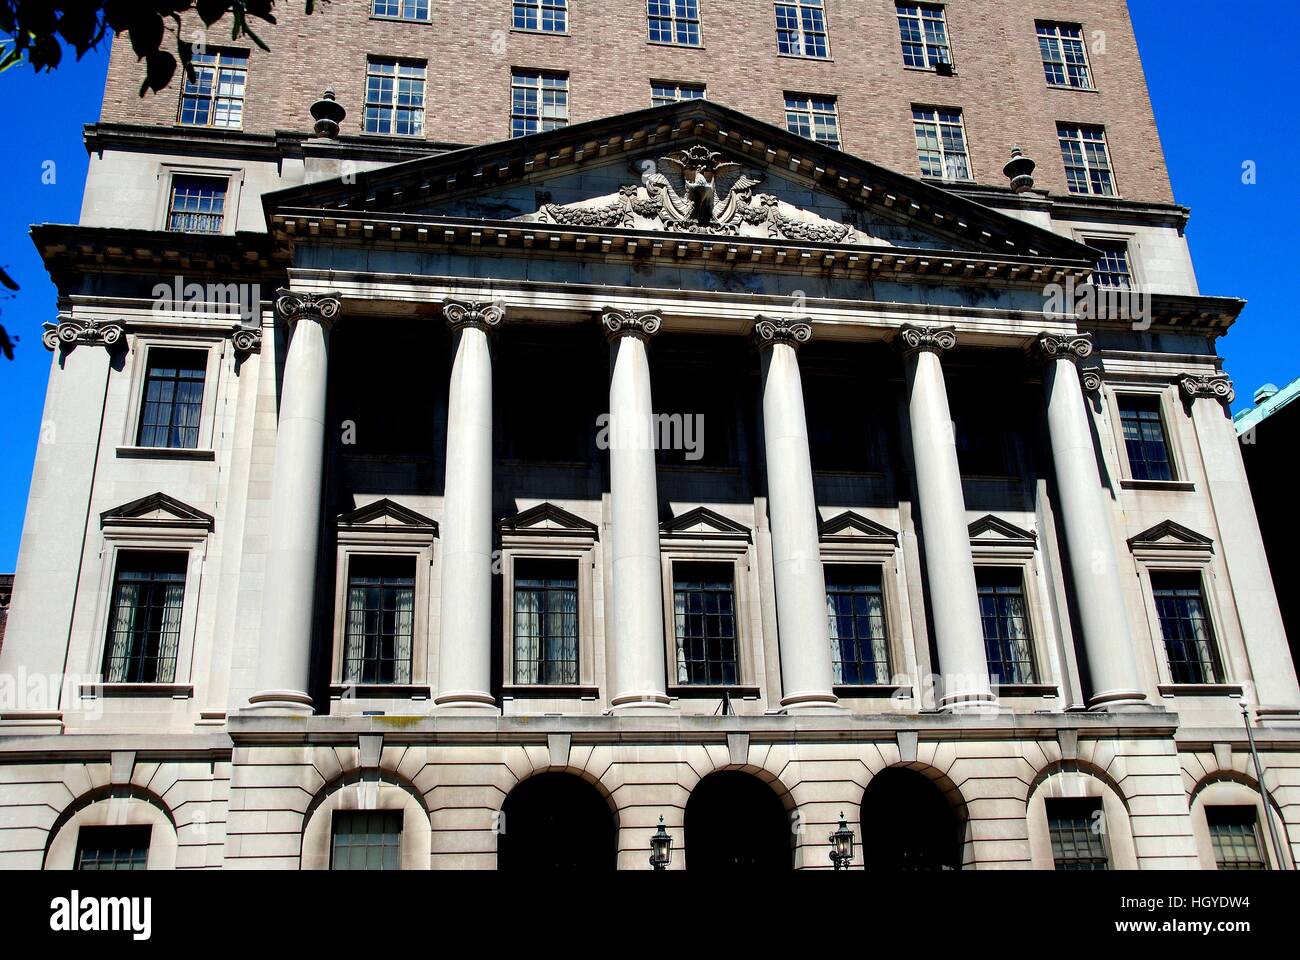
point(661, 848)
point(842, 845)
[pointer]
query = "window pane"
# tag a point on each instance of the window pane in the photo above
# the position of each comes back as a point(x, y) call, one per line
point(144, 626)
point(1076, 829)
point(1234, 832)
point(197, 204)
point(1144, 438)
point(1005, 617)
point(366, 840)
point(173, 399)
point(1185, 626)
point(855, 610)
point(705, 623)
point(380, 623)
point(546, 621)
point(113, 848)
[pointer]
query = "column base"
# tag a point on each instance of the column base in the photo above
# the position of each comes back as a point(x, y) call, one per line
point(978, 704)
point(638, 703)
point(279, 703)
point(474, 703)
point(813, 701)
point(1121, 701)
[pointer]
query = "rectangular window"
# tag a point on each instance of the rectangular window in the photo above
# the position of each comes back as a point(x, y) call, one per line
point(941, 143)
point(1008, 639)
point(401, 9)
point(366, 840)
point(1076, 828)
point(546, 16)
point(144, 625)
point(1113, 269)
point(1065, 57)
point(546, 621)
point(855, 607)
point(394, 97)
point(380, 620)
point(173, 399)
point(674, 21)
point(924, 35)
point(816, 118)
point(1144, 437)
point(1234, 832)
point(215, 96)
point(704, 618)
point(113, 848)
point(662, 92)
point(197, 204)
point(1087, 159)
point(1185, 626)
point(801, 28)
point(539, 101)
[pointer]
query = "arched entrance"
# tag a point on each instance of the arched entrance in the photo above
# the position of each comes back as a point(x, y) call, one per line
point(556, 821)
point(736, 823)
point(907, 824)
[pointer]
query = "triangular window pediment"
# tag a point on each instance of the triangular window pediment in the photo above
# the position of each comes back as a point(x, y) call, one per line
point(991, 529)
point(548, 518)
point(386, 513)
point(1168, 535)
point(705, 523)
point(850, 527)
point(157, 510)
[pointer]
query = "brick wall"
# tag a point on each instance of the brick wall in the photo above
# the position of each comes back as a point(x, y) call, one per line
point(470, 49)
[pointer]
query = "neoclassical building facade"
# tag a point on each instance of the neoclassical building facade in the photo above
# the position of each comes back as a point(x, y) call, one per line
point(494, 506)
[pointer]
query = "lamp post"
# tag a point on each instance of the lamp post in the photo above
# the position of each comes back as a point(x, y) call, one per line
point(1263, 790)
point(842, 845)
point(661, 848)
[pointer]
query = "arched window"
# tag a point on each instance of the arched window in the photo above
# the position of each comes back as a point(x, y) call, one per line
point(118, 828)
point(556, 821)
point(1078, 821)
point(736, 822)
point(908, 824)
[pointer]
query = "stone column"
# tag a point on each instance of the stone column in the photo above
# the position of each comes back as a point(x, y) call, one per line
point(637, 677)
point(950, 572)
point(289, 587)
point(1089, 534)
point(807, 674)
point(465, 628)
point(1277, 694)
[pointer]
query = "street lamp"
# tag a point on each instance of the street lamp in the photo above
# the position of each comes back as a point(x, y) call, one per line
point(661, 848)
point(842, 845)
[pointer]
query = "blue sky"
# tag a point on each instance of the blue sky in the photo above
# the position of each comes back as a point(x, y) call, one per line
point(1216, 105)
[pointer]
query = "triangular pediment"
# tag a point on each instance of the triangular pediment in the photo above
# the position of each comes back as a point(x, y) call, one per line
point(850, 527)
point(386, 513)
point(991, 529)
point(702, 522)
point(1170, 535)
point(547, 517)
point(696, 168)
point(157, 510)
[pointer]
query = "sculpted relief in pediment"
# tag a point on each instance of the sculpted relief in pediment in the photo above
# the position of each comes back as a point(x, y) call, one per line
point(701, 206)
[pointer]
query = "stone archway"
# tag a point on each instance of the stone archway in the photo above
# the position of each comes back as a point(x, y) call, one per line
point(556, 821)
point(736, 823)
point(908, 824)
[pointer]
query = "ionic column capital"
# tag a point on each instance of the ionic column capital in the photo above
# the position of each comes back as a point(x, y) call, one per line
point(915, 339)
point(294, 305)
point(69, 333)
point(769, 331)
point(246, 340)
point(475, 314)
point(1211, 386)
point(1091, 378)
point(630, 323)
point(1073, 346)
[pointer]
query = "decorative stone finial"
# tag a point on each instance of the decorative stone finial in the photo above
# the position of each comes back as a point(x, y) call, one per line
point(1020, 171)
point(933, 339)
point(328, 114)
point(772, 330)
point(1212, 386)
point(620, 323)
point(476, 314)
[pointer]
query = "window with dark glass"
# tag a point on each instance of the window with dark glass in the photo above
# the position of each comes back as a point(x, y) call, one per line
point(395, 97)
point(123, 847)
point(214, 97)
point(173, 399)
point(197, 204)
point(401, 9)
point(674, 21)
point(1076, 828)
point(814, 117)
point(1144, 437)
point(1087, 159)
point(366, 840)
point(539, 101)
point(1008, 638)
point(546, 16)
point(558, 422)
point(855, 608)
point(1065, 57)
point(1185, 626)
point(986, 435)
point(844, 432)
point(801, 28)
point(696, 420)
point(144, 624)
point(546, 621)
point(662, 92)
point(941, 143)
point(380, 620)
point(1234, 833)
point(1113, 268)
point(704, 623)
point(924, 35)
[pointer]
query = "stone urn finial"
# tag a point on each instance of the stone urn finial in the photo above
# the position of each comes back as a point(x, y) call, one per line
point(1020, 171)
point(328, 114)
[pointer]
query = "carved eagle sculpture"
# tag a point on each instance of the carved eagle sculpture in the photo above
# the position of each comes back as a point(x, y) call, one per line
point(700, 169)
